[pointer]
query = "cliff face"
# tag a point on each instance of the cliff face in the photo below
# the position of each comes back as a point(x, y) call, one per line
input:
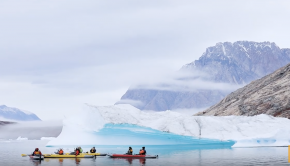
point(268, 95)
point(235, 63)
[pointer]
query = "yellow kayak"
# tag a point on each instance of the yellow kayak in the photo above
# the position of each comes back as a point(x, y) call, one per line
point(67, 155)
point(95, 154)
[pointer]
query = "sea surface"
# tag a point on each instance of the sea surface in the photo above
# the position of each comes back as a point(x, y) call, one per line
point(168, 155)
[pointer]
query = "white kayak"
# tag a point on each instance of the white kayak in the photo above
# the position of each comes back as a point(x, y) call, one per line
point(36, 157)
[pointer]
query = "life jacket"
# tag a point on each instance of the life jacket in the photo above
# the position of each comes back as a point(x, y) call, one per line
point(60, 152)
point(93, 150)
point(141, 152)
point(77, 152)
point(36, 153)
point(130, 151)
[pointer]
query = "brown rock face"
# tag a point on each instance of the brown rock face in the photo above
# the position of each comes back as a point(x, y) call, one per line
point(268, 95)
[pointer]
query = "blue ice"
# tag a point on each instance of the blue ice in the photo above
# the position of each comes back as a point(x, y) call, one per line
point(135, 134)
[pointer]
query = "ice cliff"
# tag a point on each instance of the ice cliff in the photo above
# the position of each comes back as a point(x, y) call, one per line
point(127, 125)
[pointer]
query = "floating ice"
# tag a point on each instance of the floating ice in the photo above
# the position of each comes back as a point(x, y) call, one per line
point(126, 125)
point(47, 138)
point(21, 138)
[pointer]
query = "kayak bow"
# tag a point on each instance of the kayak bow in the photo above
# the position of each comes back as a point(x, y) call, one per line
point(36, 157)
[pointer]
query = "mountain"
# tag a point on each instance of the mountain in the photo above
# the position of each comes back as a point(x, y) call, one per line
point(16, 114)
point(235, 63)
point(268, 95)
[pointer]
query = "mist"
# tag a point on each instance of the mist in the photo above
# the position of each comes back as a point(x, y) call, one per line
point(31, 130)
point(57, 55)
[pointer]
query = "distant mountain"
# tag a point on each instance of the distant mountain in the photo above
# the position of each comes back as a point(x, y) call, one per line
point(235, 63)
point(268, 95)
point(16, 114)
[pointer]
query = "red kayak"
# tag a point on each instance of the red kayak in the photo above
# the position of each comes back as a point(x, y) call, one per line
point(133, 156)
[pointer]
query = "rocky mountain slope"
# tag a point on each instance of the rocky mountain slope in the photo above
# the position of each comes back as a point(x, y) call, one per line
point(268, 95)
point(16, 114)
point(235, 63)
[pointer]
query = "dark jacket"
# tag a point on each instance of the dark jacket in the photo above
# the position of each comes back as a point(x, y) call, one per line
point(93, 151)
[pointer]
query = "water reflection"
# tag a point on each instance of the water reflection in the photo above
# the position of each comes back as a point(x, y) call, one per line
point(60, 162)
point(130, 160)
point(77, 161)
point(142, 161)
point(36, 162)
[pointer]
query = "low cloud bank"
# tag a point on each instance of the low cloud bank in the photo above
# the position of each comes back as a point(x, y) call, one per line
point(31, 130)
point(185, 81)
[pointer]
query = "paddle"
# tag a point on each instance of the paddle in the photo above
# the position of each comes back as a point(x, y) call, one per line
point(24, 155)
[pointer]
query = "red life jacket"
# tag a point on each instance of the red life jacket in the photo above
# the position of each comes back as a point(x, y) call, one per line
point(37, 152)
point(141, 152)
point(77, 152)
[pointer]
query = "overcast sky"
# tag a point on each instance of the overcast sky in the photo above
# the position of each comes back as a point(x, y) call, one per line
point(56, 55)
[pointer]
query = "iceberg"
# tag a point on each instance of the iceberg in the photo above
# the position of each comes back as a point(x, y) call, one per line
point(126, 125)
point(47, 138)
point(21, 138)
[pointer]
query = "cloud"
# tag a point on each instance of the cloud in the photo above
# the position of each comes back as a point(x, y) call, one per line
point(57, 55)
point(31, 130)
point(185, 81)
point(135, 103)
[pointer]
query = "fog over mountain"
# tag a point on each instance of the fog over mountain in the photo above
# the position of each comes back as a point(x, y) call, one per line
point(220, 70)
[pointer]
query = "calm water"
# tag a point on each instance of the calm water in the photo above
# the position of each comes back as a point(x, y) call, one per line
point(168, 155)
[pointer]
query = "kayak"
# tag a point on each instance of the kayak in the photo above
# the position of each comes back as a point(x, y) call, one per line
point(36, 157)
point(68, 156)
point(133, 156)
point(95, 154)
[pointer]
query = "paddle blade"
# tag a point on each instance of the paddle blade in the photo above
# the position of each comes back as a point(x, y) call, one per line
point(23, 155)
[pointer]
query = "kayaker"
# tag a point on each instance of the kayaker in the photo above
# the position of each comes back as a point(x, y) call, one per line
point(93, 150)
point(142, 151)
point(36, 152)
point(77, 151)
point(60, 152)
point(130, 151)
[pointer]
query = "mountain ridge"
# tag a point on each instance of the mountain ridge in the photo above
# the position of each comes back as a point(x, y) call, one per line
point(235, 63)
point(11, 114)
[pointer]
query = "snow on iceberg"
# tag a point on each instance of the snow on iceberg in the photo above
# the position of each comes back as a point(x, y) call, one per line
point(47, 138)
point(21, 138)
point(127, 125)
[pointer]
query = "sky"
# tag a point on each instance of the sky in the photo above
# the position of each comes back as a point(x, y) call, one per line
point(57, 55)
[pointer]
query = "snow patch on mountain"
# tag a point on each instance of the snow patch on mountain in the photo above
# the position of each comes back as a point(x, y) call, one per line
point(15, 114)
point(223, 68)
